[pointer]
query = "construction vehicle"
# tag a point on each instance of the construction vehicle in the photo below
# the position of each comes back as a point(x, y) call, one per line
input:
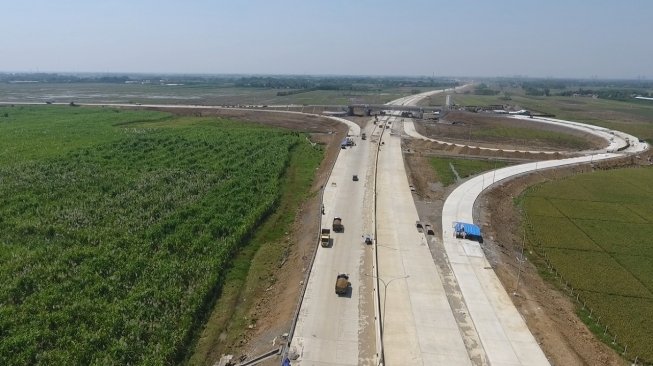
point(342, 284)
point(325, 237)
point(429, 229)
point(337, 225)
point(363, 136)
point(463, 230)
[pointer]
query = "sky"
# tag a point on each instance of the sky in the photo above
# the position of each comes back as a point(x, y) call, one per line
point(552, 38)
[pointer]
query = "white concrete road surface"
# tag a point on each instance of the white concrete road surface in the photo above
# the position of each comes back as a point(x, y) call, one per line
point(328, 327)
point(419, 327)
point(503, 333)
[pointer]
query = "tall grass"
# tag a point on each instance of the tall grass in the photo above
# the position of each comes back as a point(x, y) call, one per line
point(114, 235)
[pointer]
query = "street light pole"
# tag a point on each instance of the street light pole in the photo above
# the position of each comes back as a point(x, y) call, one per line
point(385, 296)
point(520, 260)
point(385, 293)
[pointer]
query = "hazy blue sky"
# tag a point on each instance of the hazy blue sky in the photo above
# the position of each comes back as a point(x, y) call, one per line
point(552, 38)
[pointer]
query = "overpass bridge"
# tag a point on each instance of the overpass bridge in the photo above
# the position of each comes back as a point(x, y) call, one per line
point(369, 109)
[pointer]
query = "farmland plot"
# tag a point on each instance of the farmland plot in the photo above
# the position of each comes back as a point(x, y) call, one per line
point(116, 228)
point(596, 231)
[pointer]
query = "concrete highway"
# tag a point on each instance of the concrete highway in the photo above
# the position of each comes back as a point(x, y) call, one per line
point(419, 327)
point(397, 310)
point(332, 329)
point(503, 333)
point(501, 329)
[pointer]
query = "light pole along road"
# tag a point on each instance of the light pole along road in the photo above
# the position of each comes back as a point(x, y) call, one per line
point(419, 326)
point(385, 290)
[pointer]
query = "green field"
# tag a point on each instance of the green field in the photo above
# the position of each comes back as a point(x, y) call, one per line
point(524, 136)
point(597, 232)
point(464, 167)
point(117, 227)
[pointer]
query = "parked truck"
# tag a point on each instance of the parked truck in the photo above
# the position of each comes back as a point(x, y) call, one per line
point(342, 284)
point(337, 225)
point(325, 237)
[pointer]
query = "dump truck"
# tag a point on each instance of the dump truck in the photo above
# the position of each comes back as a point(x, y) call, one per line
point(463, 230)
point(325, 237)
point(419, 226)
point(342, 284)
point(337, 225)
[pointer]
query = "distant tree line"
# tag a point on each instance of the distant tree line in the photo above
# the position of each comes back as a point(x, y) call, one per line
point(604, 89)
point(337, 83)
point(614, 94)
point(483, 89)
point(61, 78)
point(291, 84)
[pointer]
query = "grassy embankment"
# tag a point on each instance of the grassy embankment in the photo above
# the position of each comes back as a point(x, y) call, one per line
point(634, 117)
point(116, 227)
point(523, 136)
point(464, 167)
point(594, 230)
point(253, 270)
